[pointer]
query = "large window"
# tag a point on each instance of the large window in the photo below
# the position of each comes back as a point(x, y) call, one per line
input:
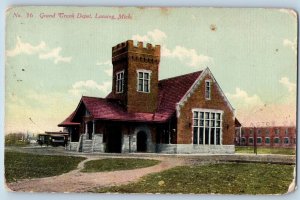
point(120, 82)
point(207, 127)
point(143, 81)
point(208, 89)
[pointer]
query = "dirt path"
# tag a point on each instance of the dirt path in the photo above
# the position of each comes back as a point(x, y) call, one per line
point(76, 181)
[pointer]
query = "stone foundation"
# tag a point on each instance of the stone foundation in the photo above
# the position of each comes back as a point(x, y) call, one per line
point(129, 145)
point(73, 146)
point(194, 149)
point(98, 145)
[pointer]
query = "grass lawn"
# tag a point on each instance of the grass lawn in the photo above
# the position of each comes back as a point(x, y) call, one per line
point(23, 165)
point(113, 164)
point(266, 150)
point(231, 178)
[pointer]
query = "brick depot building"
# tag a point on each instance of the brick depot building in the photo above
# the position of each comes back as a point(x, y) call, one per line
point(275, 136)
point(183, 114)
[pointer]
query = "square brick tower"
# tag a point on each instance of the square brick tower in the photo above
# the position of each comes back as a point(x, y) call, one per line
point(135, 76)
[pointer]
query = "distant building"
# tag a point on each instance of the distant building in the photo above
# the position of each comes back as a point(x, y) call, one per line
point(276, 136)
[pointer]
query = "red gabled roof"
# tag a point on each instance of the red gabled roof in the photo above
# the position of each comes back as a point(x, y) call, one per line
point(171, 91)
point(68, 122)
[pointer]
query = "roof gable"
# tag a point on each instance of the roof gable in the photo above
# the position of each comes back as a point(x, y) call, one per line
point(195, 85)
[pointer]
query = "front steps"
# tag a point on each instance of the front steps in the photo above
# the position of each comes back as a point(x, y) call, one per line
point(87, 145)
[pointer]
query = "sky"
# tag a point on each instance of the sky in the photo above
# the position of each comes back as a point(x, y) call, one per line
point(52, 59)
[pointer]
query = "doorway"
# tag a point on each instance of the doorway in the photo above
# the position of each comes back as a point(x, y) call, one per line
point(90, 130)
point(114, 139)
point(141, 142)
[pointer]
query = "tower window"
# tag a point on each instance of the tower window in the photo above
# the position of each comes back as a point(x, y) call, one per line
point(207, 89)
point(120, 82)
point(143, 82)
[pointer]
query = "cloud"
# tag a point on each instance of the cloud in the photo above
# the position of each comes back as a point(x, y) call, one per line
point(252, 110)
point(141, 38)
point(289, 85)
point(190, 56)
point(25, 48)
point(108, 62)
point(242, 99)
point(109, 72)
point(54, 54)
point(291, 44)
point(155, 36)
point(289, 99)
point(41, 50)
point(87, 87)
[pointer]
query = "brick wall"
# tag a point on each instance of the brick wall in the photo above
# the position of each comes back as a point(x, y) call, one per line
point(120, 65)
point(197, 100)
point(130, 58)
point(280, 132)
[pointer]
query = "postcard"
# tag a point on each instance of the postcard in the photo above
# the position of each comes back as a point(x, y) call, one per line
point(150, 100)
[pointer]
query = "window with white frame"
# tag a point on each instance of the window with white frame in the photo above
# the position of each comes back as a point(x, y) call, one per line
point(243, 141)
point(120, 82)
point(258, 140)
point(208, 89)
point(207, 126)
point(286, 140)
point(243, 132)
point(267, 140)
point(259, 132)
point(143, 81)
point(251, 132)
point(250, 140)
point(287, 132)
point(276, 140)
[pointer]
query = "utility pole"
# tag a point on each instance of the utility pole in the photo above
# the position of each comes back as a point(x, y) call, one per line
point(254, 142)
